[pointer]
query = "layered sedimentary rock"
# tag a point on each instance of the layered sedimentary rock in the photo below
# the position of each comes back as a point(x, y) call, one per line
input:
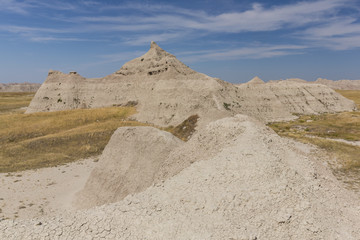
point(166, 92)
point(19, 87)
point(340, 84)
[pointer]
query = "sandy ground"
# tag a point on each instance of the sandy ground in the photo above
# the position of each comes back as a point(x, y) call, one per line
point(45, 191)
point(256, 185)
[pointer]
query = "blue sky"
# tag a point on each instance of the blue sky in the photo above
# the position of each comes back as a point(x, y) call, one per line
point(229, 39)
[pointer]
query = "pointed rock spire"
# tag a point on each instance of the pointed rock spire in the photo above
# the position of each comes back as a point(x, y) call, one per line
point(256, 80)
point(155, 62)
point(154, 45)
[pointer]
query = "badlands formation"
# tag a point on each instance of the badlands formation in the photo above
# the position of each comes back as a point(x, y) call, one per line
point(19, 87)
point(340, 84)
point(234, 178)
point(166, 92)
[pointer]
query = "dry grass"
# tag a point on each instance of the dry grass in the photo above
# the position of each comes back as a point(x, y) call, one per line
point(185, 129)
point(351, 94)
point(12, 102)
point(344, 125)
point(30, 141)
point(325, 127)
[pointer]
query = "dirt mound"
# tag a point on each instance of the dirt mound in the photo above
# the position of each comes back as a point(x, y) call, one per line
point(257, 186)
point(19, 87)
point(340, 84)
point(128, 165)
point(166, 92)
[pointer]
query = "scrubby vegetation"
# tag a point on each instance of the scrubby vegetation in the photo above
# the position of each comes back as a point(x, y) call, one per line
point(321, 129)
point(185, 129)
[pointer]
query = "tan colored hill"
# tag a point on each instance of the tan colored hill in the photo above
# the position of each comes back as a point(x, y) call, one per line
point(256, 80)
point(166, 92)
point(340, 84)
point(19, 87)
point(254, 185)
point(123, 169)
point(296, 80)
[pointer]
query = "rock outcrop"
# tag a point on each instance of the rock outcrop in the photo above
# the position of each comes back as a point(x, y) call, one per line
point(340, 84)
point(19, 87)
point(256, 80)
point(166, 92)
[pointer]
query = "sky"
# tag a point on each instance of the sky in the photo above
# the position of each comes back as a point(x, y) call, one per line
point(234, 40)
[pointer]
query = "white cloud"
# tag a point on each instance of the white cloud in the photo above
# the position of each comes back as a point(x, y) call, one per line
point(337, 34)
point(120, 57)
point(163, 37)
point(252, 52)
point(14, 6)
point(322, 23)
point(257, 18)
point(25, 7)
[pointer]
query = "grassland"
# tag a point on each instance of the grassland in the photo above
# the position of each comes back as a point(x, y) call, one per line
point(351, 94)
point(30, 141)
point(320, 129)
point(13, 102)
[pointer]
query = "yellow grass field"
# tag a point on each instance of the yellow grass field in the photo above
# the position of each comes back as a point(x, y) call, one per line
point(29, 141)
point(13, 102)
point(351, 94)
point(320, 129)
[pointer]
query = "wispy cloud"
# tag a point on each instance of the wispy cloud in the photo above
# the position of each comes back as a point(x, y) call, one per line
point(337, 34)
point(252, 52)
point(57, 39)
point(120, 57)
point(14, 6)
point(257, 18)
point(163, 37)
point(317, 23)
point(24, 7)
point(29, 30)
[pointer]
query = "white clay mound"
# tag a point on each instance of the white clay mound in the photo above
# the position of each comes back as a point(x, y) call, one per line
point(255, 186)
point(128, 164)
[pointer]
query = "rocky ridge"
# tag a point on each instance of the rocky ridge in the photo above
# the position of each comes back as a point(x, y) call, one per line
point(340, 84)
point(166, 92)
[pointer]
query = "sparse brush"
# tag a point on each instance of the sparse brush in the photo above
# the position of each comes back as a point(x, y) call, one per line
point(324, 127)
